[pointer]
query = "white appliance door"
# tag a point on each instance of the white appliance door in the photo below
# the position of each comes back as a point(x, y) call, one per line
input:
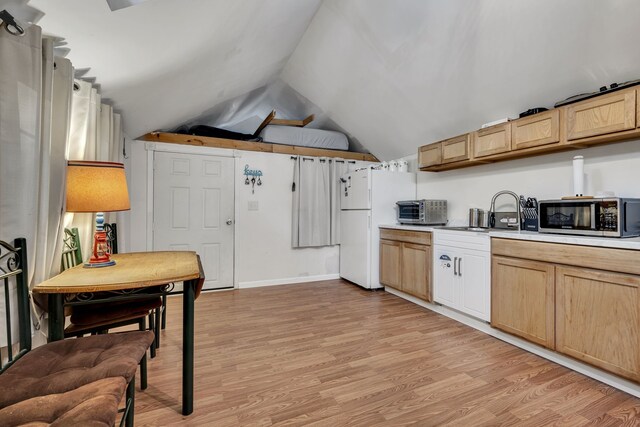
point(355, 247)
point(444, 291)
point(474, 277)
point(193, 210)
point(356, 191)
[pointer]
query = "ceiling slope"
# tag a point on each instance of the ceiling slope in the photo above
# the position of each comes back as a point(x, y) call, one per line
point(397, 75)
point(164, 62)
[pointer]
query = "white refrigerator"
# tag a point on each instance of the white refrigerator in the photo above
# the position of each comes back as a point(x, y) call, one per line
point(368, 199)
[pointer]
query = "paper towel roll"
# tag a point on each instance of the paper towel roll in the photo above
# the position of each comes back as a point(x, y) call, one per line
point(578, 175)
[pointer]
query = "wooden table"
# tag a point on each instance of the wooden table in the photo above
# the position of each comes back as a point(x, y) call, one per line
point(132, 271)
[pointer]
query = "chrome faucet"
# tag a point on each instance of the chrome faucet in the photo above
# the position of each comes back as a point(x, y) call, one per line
point(492, 218)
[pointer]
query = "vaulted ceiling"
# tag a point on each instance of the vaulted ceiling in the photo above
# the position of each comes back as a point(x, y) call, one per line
point(393, 74)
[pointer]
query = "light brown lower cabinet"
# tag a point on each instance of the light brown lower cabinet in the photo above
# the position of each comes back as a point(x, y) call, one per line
point(416, 270)
point(589, 314)
point(390, 263)
point(522, 299)
point(404, 264)
point(597, 319)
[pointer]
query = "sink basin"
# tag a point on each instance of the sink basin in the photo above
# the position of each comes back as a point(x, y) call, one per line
point(476, 229)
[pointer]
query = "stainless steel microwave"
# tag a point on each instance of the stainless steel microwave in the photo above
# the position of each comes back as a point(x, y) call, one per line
point(610, 217)
point(422, 212)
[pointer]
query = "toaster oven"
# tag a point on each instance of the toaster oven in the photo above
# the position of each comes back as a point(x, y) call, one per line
point(422, 212)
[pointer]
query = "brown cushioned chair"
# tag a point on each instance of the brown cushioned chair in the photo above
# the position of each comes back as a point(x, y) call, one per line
point(101, 317)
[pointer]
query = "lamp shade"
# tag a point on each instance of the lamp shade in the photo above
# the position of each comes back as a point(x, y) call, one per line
point(96, 187)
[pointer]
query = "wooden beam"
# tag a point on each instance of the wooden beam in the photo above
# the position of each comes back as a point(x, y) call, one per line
point(321, 152)
point(298, 123)
point(265, 147)
point(265, 122)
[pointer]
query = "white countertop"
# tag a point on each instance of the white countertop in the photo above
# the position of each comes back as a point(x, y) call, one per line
point(604, 242)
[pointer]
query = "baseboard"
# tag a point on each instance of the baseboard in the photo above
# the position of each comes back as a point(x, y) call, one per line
point(287, 281)
point(583, 368)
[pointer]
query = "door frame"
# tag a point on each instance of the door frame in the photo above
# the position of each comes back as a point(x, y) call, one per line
point(153, 147)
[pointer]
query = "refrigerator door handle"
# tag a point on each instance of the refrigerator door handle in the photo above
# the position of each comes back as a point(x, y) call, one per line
point(369, 222)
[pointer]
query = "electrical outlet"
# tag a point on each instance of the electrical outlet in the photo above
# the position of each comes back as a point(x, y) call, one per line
point(253, 205)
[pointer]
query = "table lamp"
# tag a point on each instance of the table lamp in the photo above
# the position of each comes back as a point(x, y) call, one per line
point(97, 187)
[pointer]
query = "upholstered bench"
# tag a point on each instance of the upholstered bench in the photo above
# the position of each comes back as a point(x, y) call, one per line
point(70, 382)
point(64, 365)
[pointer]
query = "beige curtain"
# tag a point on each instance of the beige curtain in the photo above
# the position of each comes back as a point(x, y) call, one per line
point(338, 169)
point(20, 144)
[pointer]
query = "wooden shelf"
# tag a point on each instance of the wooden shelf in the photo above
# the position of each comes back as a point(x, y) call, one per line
point(264, 147)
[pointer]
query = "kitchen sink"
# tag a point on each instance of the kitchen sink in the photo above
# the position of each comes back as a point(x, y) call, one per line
point(476, 229)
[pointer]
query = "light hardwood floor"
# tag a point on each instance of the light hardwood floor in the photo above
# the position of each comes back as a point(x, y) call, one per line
point(332, 354)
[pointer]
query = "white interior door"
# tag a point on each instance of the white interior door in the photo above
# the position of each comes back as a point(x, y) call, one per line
point(193, 211)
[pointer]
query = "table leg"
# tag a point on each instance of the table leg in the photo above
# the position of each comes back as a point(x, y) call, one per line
point(188, 297)
point(56, 317)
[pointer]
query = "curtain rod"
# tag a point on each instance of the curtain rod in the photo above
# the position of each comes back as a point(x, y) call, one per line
point(324, 160)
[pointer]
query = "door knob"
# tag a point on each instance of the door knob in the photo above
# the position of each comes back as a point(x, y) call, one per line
point(229, 221)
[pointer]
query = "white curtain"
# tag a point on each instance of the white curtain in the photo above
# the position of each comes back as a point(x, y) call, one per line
point(20, 145)
point(311, 202)
point(95, 134)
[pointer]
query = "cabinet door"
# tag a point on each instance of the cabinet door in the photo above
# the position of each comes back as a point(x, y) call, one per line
point(456, 149)
point(444, 283)
point(475, 284)
point(390, 263)
point(430, 155)
point(416, 270)
point(522, 299)
point(492, 140)
point(602, 115)
point(534, 131)
point(597, 315)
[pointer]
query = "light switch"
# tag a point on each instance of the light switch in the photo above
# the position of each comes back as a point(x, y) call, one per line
point(253, 205)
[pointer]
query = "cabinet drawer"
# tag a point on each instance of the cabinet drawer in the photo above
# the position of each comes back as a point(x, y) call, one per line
point(493, 140)
point(602, 115)
point(456, 149)
point(534, 131)
point(621, 260)
point(419, 237)
point(430, 155)
point(597, 319)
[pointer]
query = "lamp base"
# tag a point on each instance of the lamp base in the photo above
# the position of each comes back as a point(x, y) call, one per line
point(101, 253)
point(99, 264)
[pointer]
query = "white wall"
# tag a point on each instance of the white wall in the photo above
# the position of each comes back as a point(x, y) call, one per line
point(263, 237)
point(614, 167)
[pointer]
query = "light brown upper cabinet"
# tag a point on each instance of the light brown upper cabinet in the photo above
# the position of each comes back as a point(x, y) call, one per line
point(492, 140)
point(430, 155)
point(456, 149)
point(601, 115)
point(534, 131)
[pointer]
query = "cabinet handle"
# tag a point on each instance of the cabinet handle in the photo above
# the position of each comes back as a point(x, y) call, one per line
point(455, 266)
point(460, 266)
